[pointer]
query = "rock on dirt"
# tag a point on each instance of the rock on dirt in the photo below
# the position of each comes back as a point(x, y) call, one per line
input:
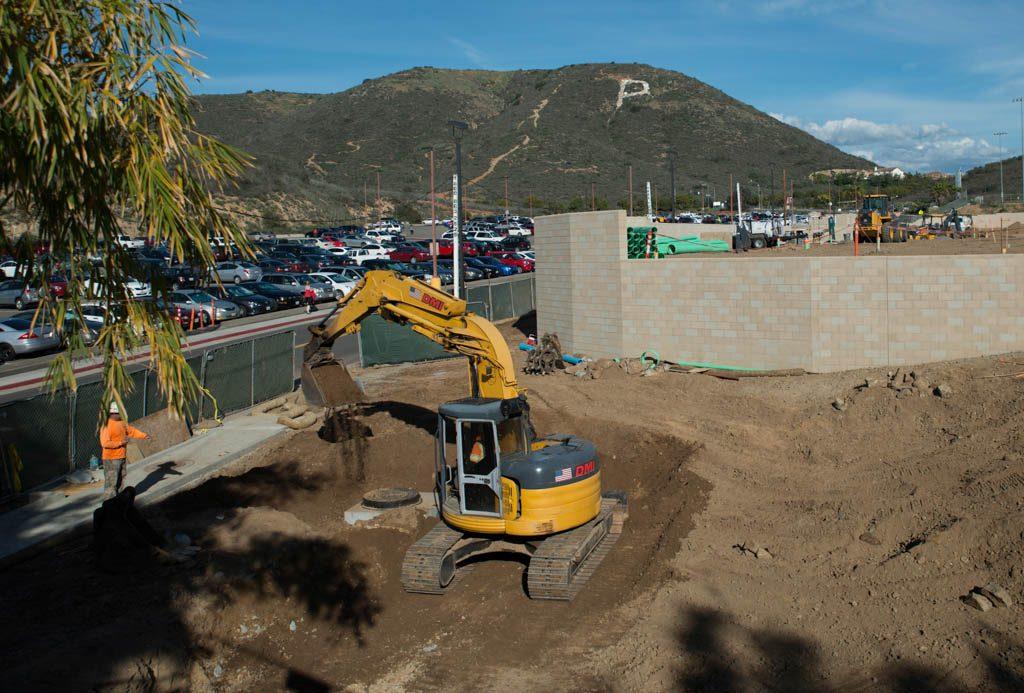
point(839, 404)
point(870, 538)
point(977, 601)
point(943, 390)
point(995, 594)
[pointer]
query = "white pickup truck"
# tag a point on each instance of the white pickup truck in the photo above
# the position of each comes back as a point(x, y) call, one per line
point(129, 243)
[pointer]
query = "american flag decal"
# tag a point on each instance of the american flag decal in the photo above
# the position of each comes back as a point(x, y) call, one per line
point(564, 475)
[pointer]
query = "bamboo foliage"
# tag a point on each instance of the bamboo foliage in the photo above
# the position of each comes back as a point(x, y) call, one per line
point(95, 129)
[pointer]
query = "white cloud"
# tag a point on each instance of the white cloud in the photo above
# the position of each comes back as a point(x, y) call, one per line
point(927, 147)
point(470, 51)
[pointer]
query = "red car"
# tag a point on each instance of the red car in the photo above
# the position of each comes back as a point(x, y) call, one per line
point(507, 258)
point(58, 285)
point(409, 253)
point(447, 248)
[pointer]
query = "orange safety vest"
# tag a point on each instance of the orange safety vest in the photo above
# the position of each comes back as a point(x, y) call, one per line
point(114, 439)
point(476, 453)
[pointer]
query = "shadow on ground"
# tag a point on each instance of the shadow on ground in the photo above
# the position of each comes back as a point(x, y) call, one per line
point(81, 628)
point(708, 641)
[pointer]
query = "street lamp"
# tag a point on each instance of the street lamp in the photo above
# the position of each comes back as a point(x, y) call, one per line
point(1020, 100)
point(458, 130)
point(999, 139)
point(771, 199)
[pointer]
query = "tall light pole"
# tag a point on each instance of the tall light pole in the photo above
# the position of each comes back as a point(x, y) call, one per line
point(999, 139)
point(1020, 100)
point(771, 198)
point(458, 130)
point(672, 179)
point(593, 196)
point(506, 196)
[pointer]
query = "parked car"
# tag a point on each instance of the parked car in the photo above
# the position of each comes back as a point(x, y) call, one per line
point(483, 235)
point(285, 297)
point(444, 272)
point(408, 252)
point(509, 258)
point(400, 267)
point(9, 269)
point(515, 243)
point(127, 242)
point(510, 227)
point(291, 263)
point(249, 301)
point(505, 270)
point(199, 300)
point(58, 285)
point(272, 265)
point(445, 248)
point(383, 235)
point(177, 277)
point(237, 272)
point(472, 273)
point(19, 338)
point(486, 271)
point(297, 282)
point(87, 327)
point(315, 261)
point(14, 292)
point(370, 251)
point(341, 284)
point(352, 273)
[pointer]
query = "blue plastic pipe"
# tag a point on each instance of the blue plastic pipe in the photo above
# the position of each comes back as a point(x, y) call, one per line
point(571, 360)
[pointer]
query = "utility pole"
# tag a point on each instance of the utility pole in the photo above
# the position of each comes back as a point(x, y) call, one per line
point(379, 210)
point(593, 196)
point(1020, 100)
point(458, 130)
point(364, 193)
point(999, 138)
point(630, 189)
point(784, 190)
point(771, 197)
point(433, 213)
point(730, 194)
point(672, 180)
point(506, 196)
point(531, 205)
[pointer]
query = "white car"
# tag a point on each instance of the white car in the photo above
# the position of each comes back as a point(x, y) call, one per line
point(483, 236)
point(526, 255)
point(381, 235)
point(342, 285)
point(126, 241)
point(134, 287)
point(367, 252)
point(388, 226)
point(512, 228)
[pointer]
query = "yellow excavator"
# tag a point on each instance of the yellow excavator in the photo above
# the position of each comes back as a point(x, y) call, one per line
point(498, 487)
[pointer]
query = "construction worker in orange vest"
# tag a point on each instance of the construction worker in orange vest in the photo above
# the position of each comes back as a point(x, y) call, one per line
point(114, 440)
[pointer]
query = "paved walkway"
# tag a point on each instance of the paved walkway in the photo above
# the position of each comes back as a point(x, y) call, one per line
point(156, 477)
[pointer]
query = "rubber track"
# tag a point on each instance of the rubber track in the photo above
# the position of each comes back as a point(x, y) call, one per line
point(421, 567)
point(553, 574)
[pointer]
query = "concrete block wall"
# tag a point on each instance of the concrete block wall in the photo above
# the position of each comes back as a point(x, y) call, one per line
point(822, 314)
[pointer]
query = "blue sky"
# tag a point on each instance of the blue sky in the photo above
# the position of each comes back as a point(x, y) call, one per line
point(914, 83)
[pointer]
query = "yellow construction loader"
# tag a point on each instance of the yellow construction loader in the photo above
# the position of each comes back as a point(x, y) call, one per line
point(874, 221)
point(498, 487)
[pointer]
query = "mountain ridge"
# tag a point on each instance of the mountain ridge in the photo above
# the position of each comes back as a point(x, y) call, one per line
point(557, 134)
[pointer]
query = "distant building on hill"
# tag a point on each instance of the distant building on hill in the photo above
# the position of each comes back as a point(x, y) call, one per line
point(877, 171)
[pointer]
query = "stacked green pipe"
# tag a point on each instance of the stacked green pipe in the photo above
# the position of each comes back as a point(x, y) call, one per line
point(690, 244)
point(637, 243)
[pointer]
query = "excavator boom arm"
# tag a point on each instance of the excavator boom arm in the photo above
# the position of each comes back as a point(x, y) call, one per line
point(432, 313)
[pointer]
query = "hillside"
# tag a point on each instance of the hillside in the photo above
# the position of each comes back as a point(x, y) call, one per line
point(984, 180)
point(552, 132)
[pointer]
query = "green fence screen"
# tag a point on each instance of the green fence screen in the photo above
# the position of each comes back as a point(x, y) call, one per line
point(228, 377)
point(273, 373)
point(35, 436)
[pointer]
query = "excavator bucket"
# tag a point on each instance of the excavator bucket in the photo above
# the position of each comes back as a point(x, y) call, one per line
point(326, 381)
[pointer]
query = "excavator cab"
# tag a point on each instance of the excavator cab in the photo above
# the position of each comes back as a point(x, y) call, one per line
point(475, 437)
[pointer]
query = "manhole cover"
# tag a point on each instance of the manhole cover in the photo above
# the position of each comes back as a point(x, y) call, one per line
point(391, 498)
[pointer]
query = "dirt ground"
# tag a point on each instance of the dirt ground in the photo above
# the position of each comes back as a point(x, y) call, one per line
point(873, 520)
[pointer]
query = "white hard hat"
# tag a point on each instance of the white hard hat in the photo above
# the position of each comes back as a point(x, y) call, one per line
point(114, 409)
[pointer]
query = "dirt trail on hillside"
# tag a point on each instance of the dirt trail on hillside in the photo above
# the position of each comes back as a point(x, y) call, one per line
point(775, 541)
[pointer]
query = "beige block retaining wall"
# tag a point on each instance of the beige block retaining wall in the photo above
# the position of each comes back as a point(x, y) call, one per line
point(822, 314)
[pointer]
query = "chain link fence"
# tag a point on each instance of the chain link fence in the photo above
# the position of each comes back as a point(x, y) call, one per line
point(382, 342)
point(47, 436)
